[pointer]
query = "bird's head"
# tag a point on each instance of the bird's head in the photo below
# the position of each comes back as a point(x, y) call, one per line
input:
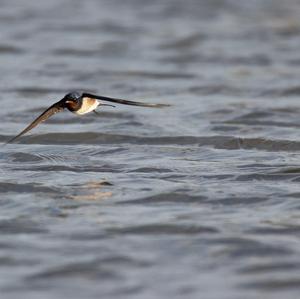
point(72, 100)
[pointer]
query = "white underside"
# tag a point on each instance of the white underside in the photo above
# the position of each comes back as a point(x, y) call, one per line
point(84, 109)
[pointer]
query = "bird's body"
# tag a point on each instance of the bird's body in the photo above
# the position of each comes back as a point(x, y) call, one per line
point(80, 104)
point(86, 105)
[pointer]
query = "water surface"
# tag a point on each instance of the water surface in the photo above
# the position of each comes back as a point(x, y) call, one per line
point(196, 200)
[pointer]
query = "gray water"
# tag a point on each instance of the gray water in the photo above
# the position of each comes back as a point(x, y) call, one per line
point(198, 200)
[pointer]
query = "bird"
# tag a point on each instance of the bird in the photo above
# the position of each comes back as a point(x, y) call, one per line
point(80, 104)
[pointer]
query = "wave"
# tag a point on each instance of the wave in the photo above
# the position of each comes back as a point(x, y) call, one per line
point(218, 142)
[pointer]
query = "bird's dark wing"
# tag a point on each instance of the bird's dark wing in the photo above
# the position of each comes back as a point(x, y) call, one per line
point(57, 107)
point(125, 102)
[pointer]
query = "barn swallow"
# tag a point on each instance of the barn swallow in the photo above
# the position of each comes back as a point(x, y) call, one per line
point(80, 103)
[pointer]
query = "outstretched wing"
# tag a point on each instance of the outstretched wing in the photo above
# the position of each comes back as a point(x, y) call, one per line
point(125, 102)
point(57, 107)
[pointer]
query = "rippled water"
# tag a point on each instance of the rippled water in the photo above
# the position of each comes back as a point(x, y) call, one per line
point(199, 200)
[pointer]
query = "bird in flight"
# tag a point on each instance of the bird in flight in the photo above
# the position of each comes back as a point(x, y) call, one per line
point(80, 103)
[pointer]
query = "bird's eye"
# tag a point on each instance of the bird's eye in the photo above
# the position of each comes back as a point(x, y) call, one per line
point(72, 96)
